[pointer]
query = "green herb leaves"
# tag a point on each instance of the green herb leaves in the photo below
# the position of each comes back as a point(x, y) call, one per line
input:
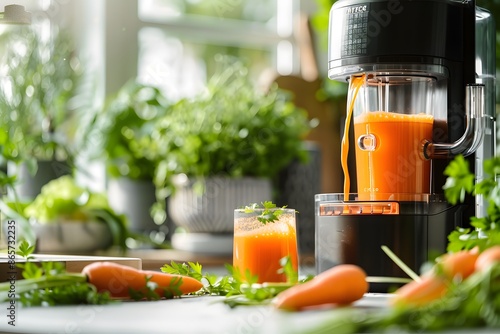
point(239, 289)
point(460, 182)
point(149, 292)
point(269, 214)
point(213, 285)
point(25, 250)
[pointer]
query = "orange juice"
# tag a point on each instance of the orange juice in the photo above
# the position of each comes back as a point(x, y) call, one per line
point(354, 87)
point(393, 165)
point(259, 247)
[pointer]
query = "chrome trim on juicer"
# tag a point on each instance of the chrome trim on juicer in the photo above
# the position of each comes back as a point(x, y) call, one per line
point(473, 135)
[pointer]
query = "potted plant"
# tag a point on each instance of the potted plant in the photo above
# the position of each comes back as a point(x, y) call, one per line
point(220, 150)
point(66, 217)
point(47, 118)
point(125, 123)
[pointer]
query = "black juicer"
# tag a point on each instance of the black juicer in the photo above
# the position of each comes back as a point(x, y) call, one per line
point(425, 92)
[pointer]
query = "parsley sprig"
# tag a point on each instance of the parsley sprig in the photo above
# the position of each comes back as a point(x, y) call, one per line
point(237, 288)
point(149, 291)
point(270, 212)
point(460, 181)
point(213, 285)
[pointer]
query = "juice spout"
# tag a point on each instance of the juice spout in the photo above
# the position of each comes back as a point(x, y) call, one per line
point(475, 124)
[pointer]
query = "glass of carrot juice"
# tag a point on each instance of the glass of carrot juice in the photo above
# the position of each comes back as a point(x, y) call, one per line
point(259, 246)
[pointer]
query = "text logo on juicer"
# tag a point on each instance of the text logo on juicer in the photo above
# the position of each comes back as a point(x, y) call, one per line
point(356, 9)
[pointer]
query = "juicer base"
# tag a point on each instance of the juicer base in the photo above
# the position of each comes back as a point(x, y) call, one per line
point(357, 239)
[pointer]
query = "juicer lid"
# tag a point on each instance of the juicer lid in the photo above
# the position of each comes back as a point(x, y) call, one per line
point(378, 35)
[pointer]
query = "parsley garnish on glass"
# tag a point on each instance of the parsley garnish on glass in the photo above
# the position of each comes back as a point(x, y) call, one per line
point(269, 211)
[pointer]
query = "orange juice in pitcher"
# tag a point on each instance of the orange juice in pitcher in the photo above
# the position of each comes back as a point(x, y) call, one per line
point(389, 154)
point(390, 132)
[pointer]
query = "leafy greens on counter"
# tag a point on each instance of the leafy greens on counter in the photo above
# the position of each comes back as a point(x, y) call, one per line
point(460, 182)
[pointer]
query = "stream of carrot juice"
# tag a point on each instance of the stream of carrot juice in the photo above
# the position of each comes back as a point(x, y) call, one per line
point(354, 86)
point(259, 248)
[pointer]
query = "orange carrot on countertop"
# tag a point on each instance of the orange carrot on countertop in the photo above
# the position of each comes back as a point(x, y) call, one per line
point(119, 279)
point(460, 264)
point(434, 284)
point(487, 258)
point(417, 293)
point(342, 285)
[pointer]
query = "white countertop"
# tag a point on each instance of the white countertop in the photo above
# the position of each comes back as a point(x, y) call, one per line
point(184, 315)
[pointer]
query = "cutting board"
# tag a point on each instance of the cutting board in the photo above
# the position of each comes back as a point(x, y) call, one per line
point(72, 263)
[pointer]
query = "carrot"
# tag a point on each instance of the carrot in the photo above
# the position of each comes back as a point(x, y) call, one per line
point(488, 258)
point(119, 279)
point(418, 293)
point(434, 284)
point(460, 264)
point(342, 284)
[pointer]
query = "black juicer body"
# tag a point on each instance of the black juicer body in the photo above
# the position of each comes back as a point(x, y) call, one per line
point(442, 39)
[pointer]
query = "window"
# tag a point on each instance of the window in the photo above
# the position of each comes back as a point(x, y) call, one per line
point(177, 40)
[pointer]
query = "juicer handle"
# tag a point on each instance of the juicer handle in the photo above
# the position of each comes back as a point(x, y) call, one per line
point(474, 129)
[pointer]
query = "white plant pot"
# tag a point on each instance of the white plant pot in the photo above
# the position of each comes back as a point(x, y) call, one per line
point(72, 237)
point(213, 210)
